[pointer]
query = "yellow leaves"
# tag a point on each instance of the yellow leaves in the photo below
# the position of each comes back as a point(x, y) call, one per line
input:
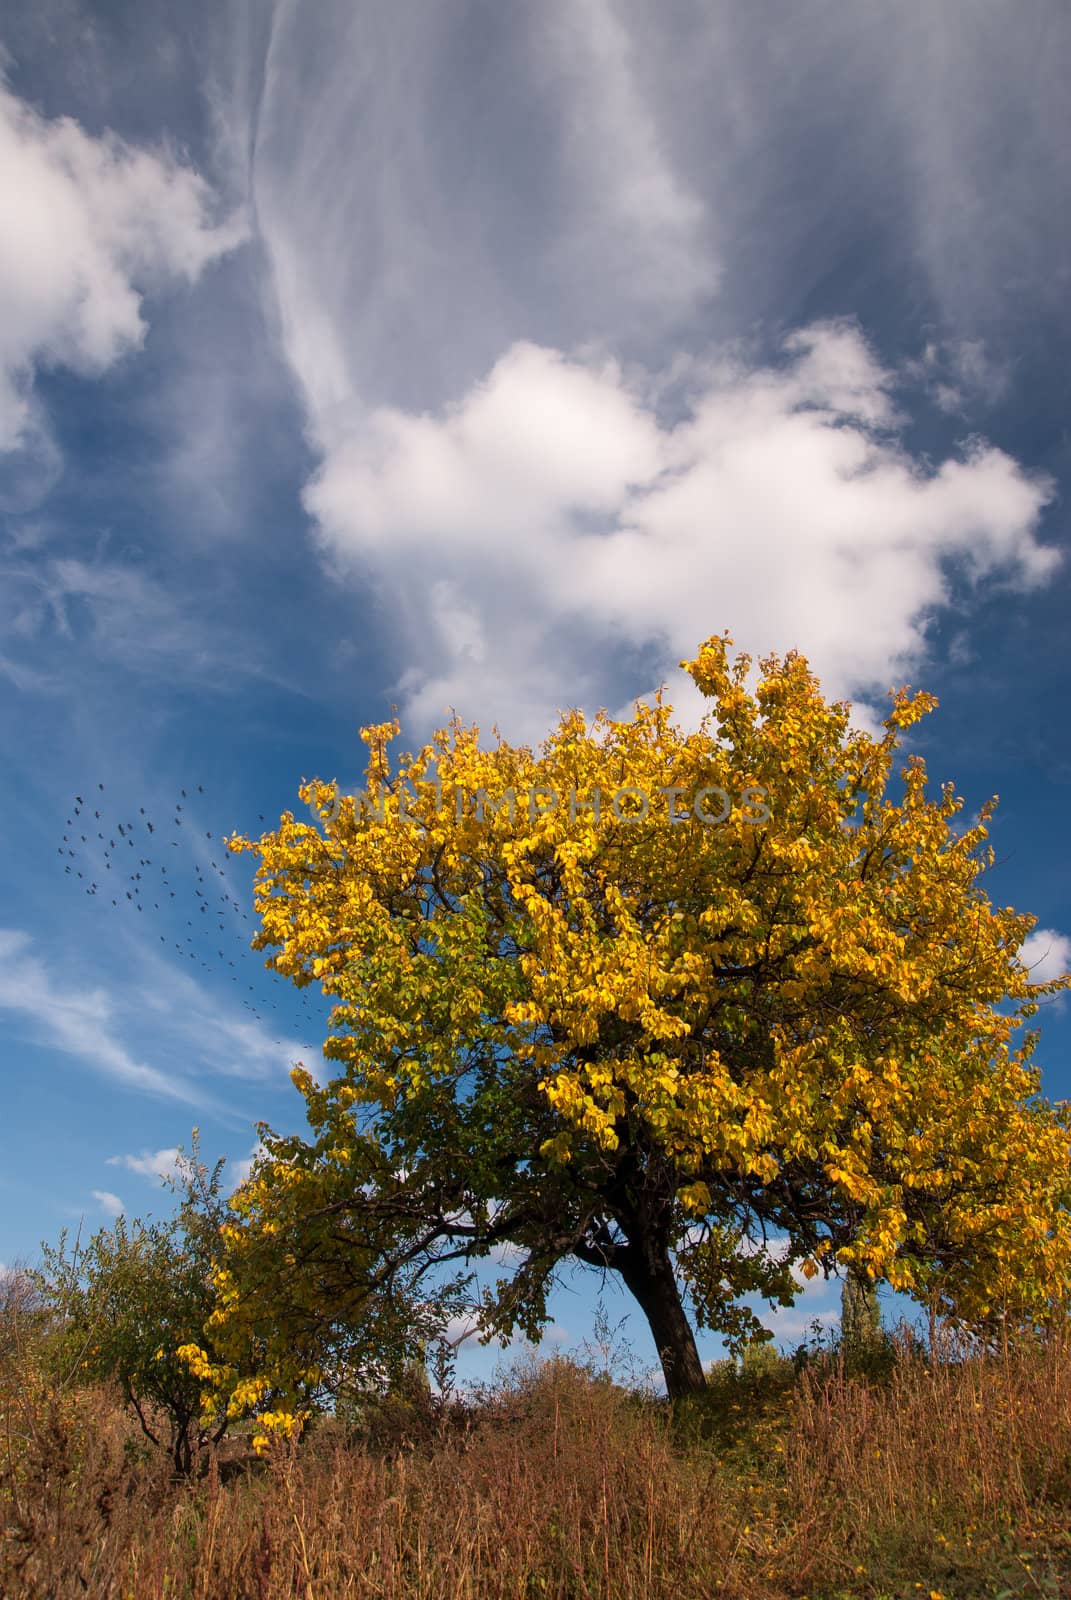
point(853, 1184)
point(764, 1166)
point(381, 733)
point(557, 1150)
point(246, 1395)
point(909, 709)
point(709, 668)
point(823, 989)
point(277, 1424)
point(523, 1014)
point(223, 1391)
point(196, 1359)
point(695, 1198)
point(576, 1103)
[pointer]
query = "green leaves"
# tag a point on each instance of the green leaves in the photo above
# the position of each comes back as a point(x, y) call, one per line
point(131, 1297)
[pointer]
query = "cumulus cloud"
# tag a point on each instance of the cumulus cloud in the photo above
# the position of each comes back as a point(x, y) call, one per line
point(149, 1164)
point(552, 515)
point(108, 1202)
point(460, 1328)
point(1047, 954)
point(88, 226)
point(791, 1324)
point(459, 229)
point(163, 1164)
point(958, 372)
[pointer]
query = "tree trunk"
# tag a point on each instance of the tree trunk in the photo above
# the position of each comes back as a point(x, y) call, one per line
point(182, 1449)
point(649, 1274)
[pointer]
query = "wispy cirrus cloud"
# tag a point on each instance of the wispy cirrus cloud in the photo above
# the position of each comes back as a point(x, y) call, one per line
point(80, 1022)
point(191, 1028)
point(632, 221)
point(226, 1043)
point(109, 612)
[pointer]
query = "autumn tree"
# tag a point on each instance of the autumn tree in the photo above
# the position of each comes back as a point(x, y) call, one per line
point(651, 1000)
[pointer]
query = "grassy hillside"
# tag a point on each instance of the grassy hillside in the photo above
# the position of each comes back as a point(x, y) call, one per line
point(947, 1478)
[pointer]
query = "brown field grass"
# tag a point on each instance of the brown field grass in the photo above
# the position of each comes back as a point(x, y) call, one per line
point(947, 1478)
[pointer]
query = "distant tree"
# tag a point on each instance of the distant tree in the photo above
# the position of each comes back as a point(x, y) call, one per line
point(575, 1018)
point(760, 1356)
point(124, 1303)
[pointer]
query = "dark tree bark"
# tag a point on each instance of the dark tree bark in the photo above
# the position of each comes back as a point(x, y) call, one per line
point(648, 1273)
point(182, 1451)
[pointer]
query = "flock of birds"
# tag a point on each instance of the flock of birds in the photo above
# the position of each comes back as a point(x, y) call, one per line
point(150, 880)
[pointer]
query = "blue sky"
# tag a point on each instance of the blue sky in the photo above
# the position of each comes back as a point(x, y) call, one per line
point(486, 357)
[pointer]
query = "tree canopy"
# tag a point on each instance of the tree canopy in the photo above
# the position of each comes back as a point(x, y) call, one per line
point(712, 1010)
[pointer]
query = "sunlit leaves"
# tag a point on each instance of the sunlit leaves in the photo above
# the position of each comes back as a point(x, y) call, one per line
point(560, 1019)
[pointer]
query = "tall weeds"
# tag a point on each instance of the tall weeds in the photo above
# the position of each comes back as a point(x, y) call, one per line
point(949, 1478)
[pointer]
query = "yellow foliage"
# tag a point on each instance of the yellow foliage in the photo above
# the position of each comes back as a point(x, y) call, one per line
point(805, 1015)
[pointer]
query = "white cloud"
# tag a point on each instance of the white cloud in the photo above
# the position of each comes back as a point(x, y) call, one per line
point(163, 1164)
point(108, 1202)
point(87, 227)
point(534, 520)
point(813, 1297)
point(79, 1022)
point(150, 1164)
point(981, 116)
point(124, 615)
point(506, 1254)
point(550, 516)
point(1047, 954)
point(428, 200)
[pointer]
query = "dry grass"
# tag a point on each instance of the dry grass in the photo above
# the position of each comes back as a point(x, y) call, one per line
point(949, 1479)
